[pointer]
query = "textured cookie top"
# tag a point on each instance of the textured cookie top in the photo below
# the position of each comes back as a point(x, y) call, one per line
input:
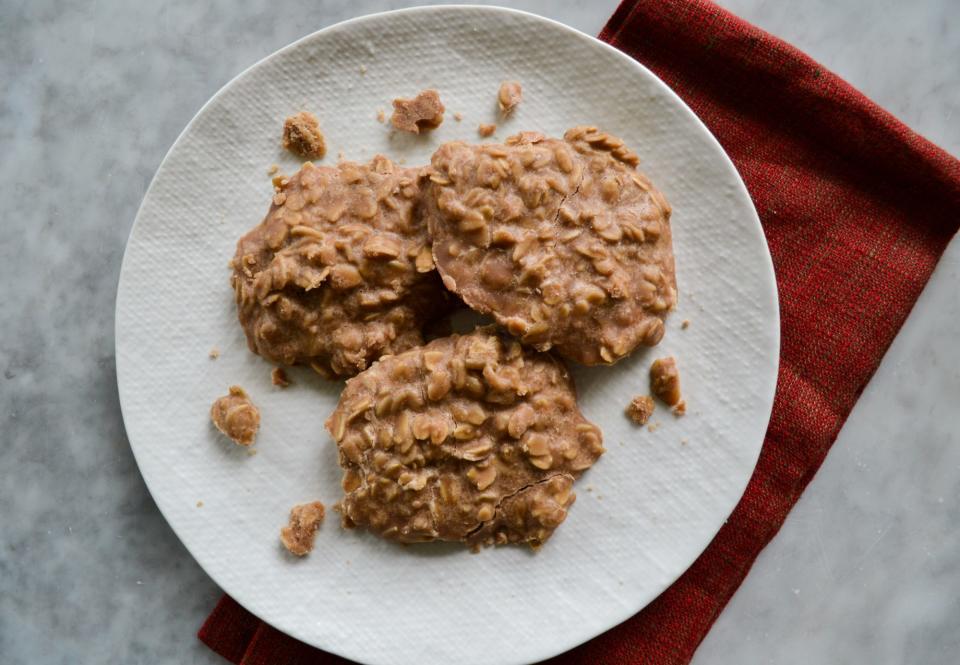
point(469, 438)
point(563, 242)
point(340, 271)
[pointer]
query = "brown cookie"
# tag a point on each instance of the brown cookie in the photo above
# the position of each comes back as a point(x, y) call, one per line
point(564, 242)
point(470, 438)
point(340, 271)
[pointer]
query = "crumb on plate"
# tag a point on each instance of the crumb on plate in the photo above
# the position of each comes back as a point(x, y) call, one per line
point(425, 111)
point(302, 136)
point(279, 377)
point(299, 534)
point(665, 380)
point(236, 416)
point(640, 409)
point(509, 96)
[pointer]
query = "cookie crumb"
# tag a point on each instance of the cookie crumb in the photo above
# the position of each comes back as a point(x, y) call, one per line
point(653, 427)
point(685, 324)
point(299, 534)
point(509, 96)
point(279, 377)
point(363, 69)
point(680, 409)
point(458, 116)
point(302, 136)
point(381, 116)
point(486, 130)
point(425, 111)
point(273, 169)
point(214, 353)
point(640, 409)
point(683, 442)
point(199, 504)
point(236, 416)
point(251, 452)
point(665, 380)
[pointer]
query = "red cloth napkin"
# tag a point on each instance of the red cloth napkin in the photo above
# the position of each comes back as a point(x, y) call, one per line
point(857, 210)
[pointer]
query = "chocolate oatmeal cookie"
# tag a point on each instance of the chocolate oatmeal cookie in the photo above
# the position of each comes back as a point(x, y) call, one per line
point(340, 270)
point(564, 242)
point(470, 438)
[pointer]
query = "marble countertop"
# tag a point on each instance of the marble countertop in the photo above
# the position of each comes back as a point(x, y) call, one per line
point(864, 570)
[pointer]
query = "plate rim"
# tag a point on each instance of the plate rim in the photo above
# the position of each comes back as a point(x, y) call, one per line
point(742, 192)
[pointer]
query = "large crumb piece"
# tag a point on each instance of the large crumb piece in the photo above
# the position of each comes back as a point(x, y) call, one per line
point(509, 96)
point(665, 381)
point(425, 111)
point(302, 136)
point(299, 534)
point(471, 438)
point(640, 409)
point(236, 416)
point(486, 130)
point(279, 377)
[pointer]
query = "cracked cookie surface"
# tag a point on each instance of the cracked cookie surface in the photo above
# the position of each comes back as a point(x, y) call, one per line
point(564, 242)
point(340, 270)
point(470, 438)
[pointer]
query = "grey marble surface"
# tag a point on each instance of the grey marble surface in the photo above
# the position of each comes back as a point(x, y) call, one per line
point(865, 569)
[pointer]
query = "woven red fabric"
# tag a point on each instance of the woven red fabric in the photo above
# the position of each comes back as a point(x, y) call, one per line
point(857, 210)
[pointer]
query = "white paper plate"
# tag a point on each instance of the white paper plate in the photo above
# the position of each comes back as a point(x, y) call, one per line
point(643, 513)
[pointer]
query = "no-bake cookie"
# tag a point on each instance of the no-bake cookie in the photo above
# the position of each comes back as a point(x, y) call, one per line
point(470, 438)
point(340, 270)
point(563, 242)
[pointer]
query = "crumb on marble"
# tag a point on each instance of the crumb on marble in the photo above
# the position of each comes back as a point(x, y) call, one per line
point(302, 136)
point(299, 534)
point(279, 377)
